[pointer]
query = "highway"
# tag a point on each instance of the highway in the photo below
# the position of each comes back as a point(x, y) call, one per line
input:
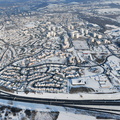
point(10, 96)
point(77, 104)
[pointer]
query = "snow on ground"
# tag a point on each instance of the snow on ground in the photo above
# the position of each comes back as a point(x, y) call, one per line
point(30, 25)
point(111, 1)
point(80, 44)
point(86, 96)
point(101, 106)
point(108, 10)
point(118, 19)
point(88, 72)
point(42, 112)
point(33, 106)
point(114, 59)
point(52, 6)
point(72, 116)
point(111, 26)
point(44, 116)
point(113, 32)
point(14, 113)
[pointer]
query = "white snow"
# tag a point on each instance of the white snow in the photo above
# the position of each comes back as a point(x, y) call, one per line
point(118, 19)
point(111, 26)
point(72, 116)
point(43, 116)
point(108, 10)
point(113, 32)
point(30, 25)
point(110, 1)
point(85, 96)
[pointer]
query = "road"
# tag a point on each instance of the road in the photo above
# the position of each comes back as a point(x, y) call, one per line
point(77, 104)
point(52, 101)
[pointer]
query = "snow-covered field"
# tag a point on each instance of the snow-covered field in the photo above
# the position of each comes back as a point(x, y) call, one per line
point(108, 10)
point(71, 116)
point(12, 110)
point(28, 111)
point(110, 1)
point(113, 32)
point(111, 26)
point(12, 113)
point(118, 19)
